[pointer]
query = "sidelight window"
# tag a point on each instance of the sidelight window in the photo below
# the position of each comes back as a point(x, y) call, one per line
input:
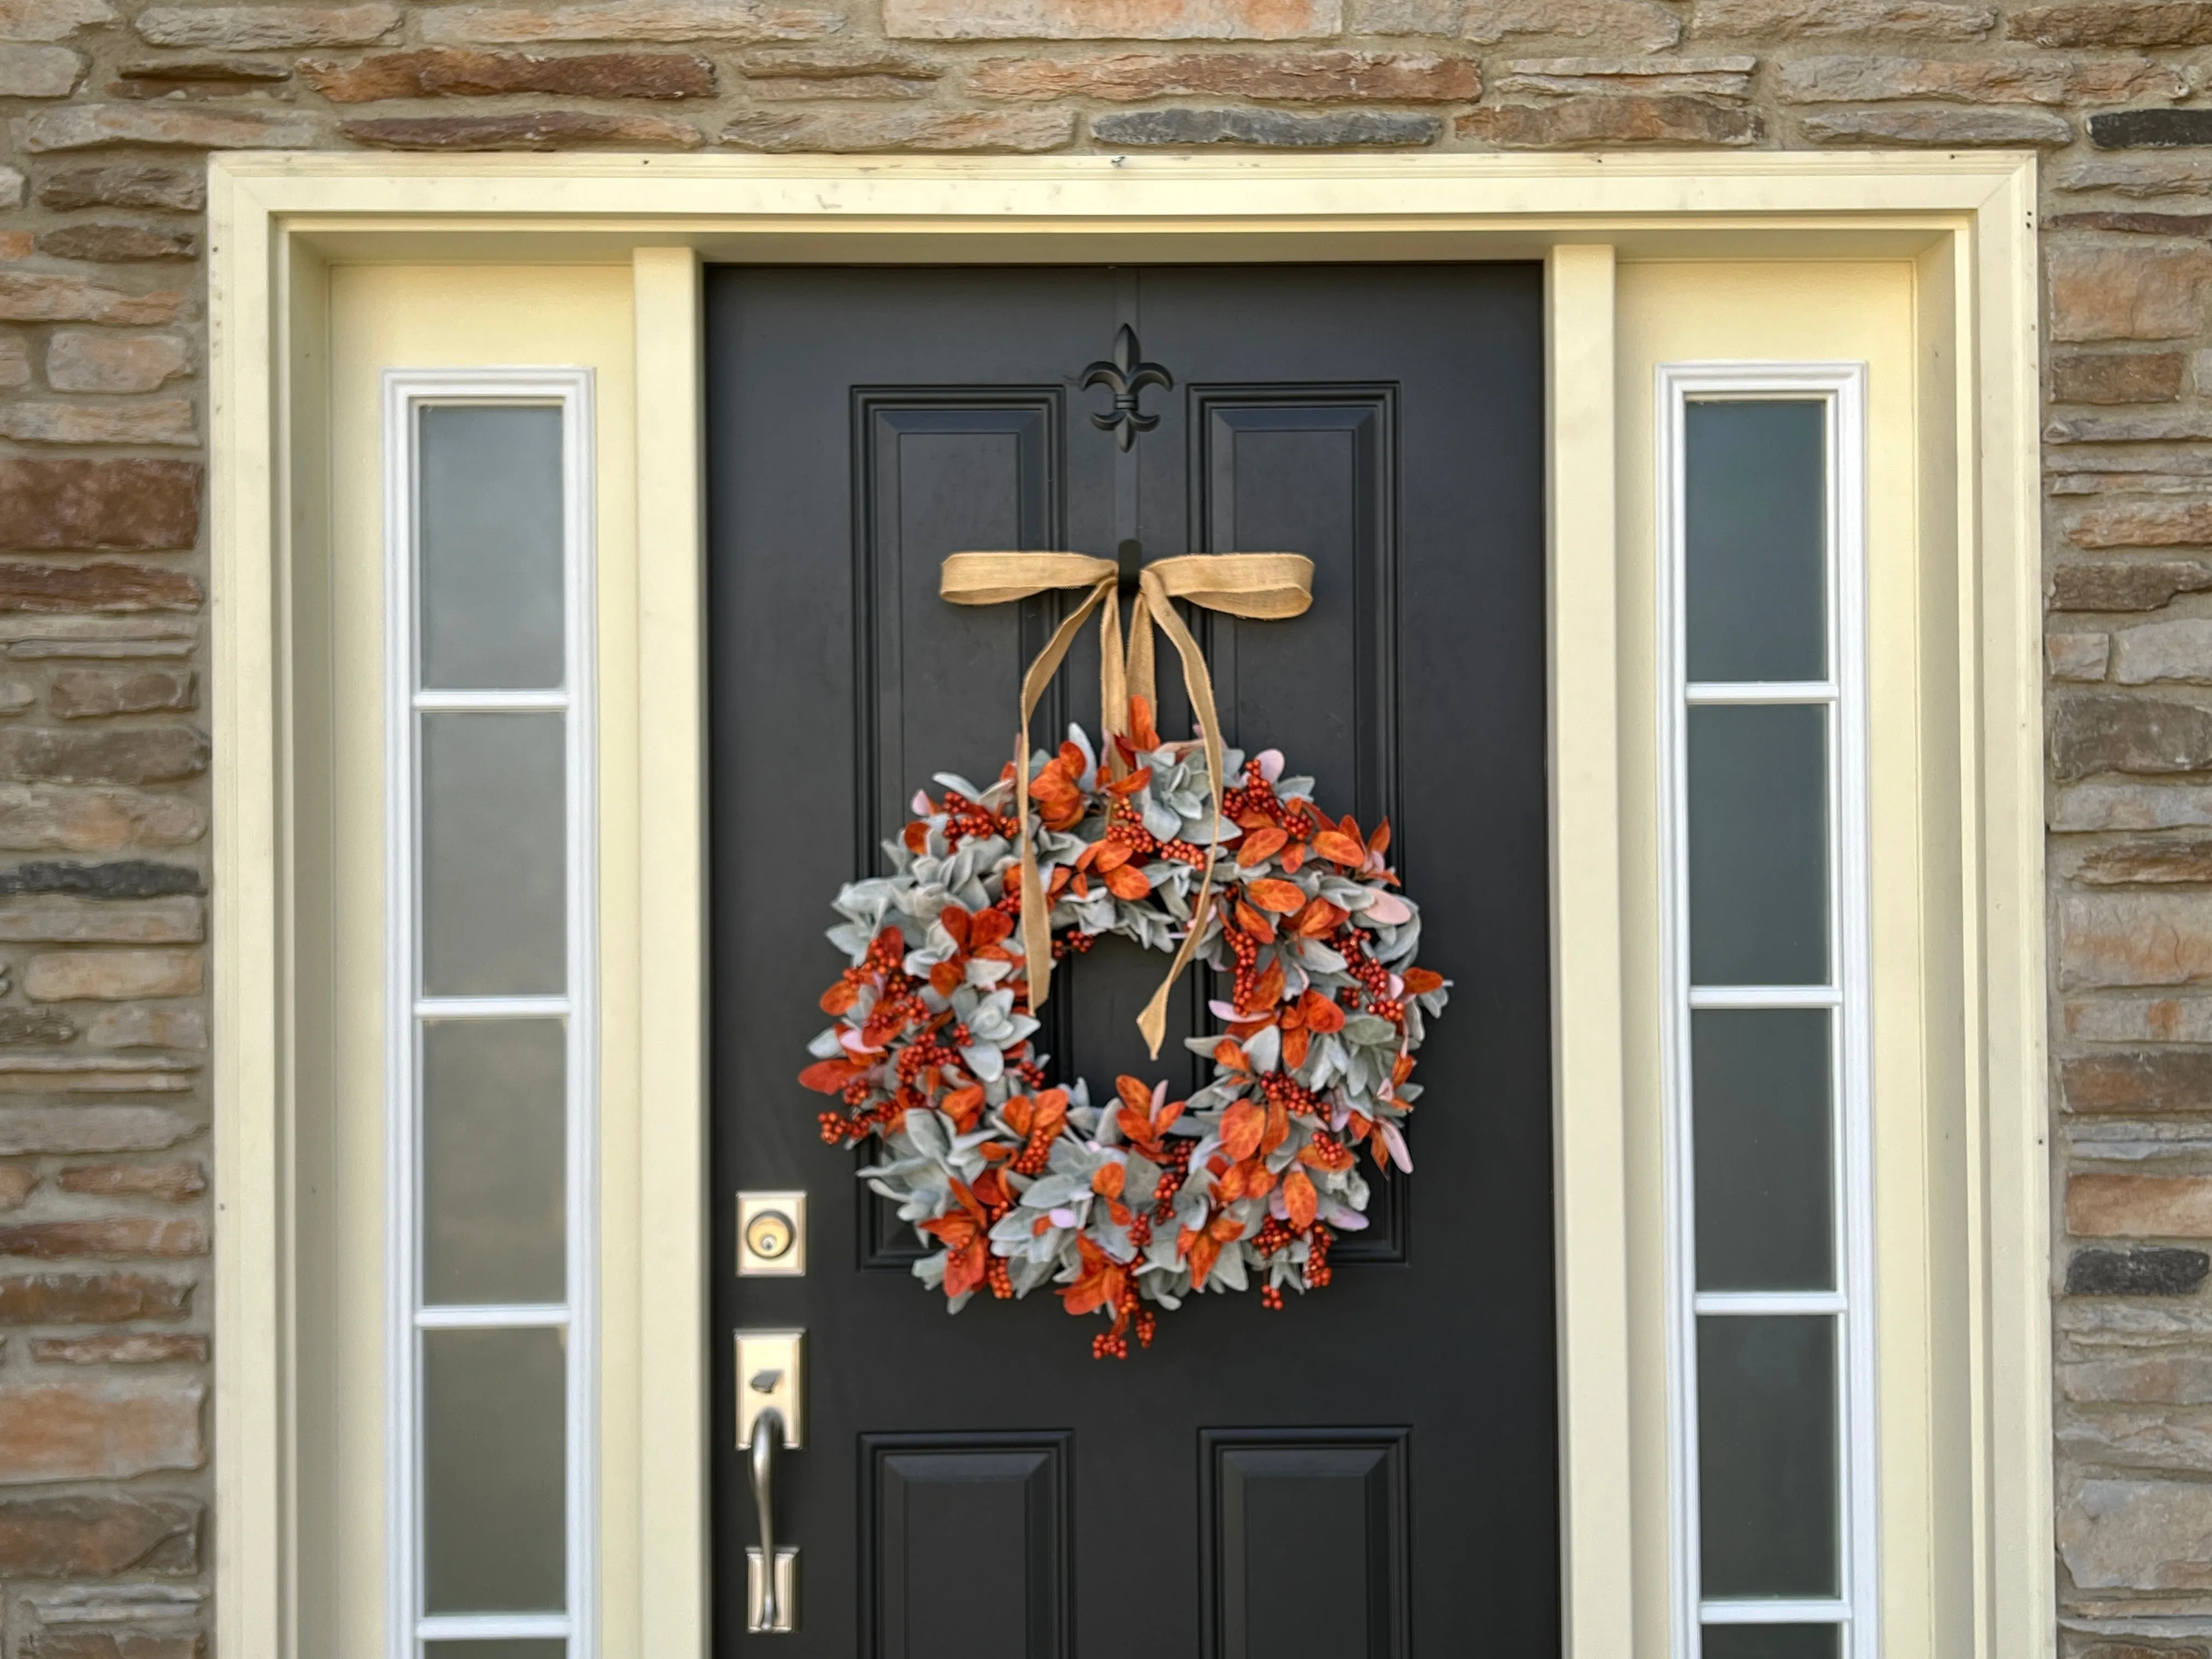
point(1760, 476)
point(491, 965)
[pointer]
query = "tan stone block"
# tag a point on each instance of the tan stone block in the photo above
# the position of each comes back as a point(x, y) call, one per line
point(628, 20)
point(1400, 77)
point(99, 1535)
point(125, 1348)
point(1941, 129)
point(111, 1644)
point(119, 1237)
point(2140, 177)
point(139, 1027)
point(15, 245)
point(453, 72)
point(140, 504)
point(59, 918)
point(77, 694)
point(2137, 1536)
point(129, 184)
point(163, 421)
point(2106, 292)
point(66, 1129)
point(2138, 1080)
point(828, 63)
point(2180, 1379)
point(47, 296)
point(45, 817)
point(2115, 940)
point(99, 1431)
point(2151, 652)
point(15, 362)
point(2132, 586)
point(167, 754)
point(16, 1184)
point(1714, 77)
point(1113, 19)
point(91, 1298)
point(106, 586)
point(2104, 23)
point(1611, 118)
point(83, 360)
point(2116, 377)
point(1787, 20)
point(39, 71)
point(1021, 130)
point(2124, 1206)
point(2077, 656)
point(92, 1074)
point(2146, 864)
point(1243, 127)
point(265, 27)
point(111, 976)
point(1629, 25)
point(92, 126)
point(2143, 1019)
point(175, 1184)
point(109, 244)
point(50, 20)
point(526, 130)
point(2142, 524)
point(1852, 80)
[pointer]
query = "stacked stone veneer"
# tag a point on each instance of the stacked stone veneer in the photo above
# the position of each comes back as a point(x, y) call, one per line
point(104, 1211)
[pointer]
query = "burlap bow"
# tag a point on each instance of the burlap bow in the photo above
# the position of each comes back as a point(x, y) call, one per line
point(1264, 586)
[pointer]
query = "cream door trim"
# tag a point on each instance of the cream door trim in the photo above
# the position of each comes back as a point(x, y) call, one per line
point(1967, 222)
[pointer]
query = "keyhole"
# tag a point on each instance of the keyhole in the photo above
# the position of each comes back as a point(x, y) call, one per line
point(769, 1235)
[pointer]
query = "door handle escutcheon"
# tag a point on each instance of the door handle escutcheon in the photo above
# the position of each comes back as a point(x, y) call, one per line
point(771, 1590)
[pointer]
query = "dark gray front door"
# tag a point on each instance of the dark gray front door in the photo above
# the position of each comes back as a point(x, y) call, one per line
point(1370, 1473)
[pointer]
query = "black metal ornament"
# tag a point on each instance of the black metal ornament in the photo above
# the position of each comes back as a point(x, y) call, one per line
point(1125, 375)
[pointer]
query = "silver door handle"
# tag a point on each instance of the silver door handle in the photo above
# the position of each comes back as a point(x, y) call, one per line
point(772, 1573)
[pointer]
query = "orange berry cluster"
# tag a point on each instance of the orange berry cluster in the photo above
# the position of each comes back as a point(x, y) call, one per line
point(999, 1279)
point(1129, 1314)
point(1077, 943)
point(1374, 978)
point(1036, 1151)
point(1246, 952)
point(1126, 828)
point(1280, 1088)
point(1175, 1168)
point(1318, 1272)
point(964, 818)
point(1271, 1297)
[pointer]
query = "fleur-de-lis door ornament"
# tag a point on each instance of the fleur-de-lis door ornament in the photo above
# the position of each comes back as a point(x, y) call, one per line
point(1125, 375)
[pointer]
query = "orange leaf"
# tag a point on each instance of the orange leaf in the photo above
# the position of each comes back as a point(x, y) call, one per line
point(1226, 1228)
point(1250, 921)
point(840, 997)
point(989, 927)
point(1320, 1012)
point(1106, 1179)
point(829, 1077)
point(1318, 919)
point(1294, 857)
point(1295, 1044)
point(1300, 1198)
point(916, 837)
point(1260, 845)
point(964, 1106)
point(1380, 841)
point(1127, 882)
point(1234, 1185)
point(955, 919)
point(1241, 1129)
point(1283, 898)
point(1134, 1093)
point(1339, 847)
point(1112, 855)
point(1142, 732)
point(1267, 992)
point(947, 977)
point(1019, 1113)
point(1203, 1252)
point(1418, 980)
point(1227, 1054)
point(1278, 1126)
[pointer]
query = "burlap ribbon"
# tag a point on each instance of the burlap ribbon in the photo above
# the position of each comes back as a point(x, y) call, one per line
point(1264, 586)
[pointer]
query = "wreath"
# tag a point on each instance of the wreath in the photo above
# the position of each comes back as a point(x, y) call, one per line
point(1139, 1200)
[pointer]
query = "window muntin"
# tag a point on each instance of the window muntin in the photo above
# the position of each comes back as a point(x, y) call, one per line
point(492, 1017)
point(1761, 521)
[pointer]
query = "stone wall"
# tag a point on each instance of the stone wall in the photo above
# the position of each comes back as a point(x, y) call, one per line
point(112, 106)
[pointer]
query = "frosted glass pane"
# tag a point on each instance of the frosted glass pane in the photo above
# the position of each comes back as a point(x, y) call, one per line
point(494, 1471)
point(494, 854)
point(494, 1161)
point(1755, 523)
point(1766, 1642)
point(489, 514)
point(1758, 845)
point(1760, 1112)
point(1767, 1454)
point(500, 1647)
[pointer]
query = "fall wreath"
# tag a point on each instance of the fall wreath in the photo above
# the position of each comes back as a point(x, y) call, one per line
point(1137, 1200)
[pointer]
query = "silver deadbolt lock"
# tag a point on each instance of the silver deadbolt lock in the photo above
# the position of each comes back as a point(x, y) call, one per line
point(771, 1235)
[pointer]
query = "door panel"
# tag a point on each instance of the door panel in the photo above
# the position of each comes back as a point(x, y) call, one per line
point(1372, 1469)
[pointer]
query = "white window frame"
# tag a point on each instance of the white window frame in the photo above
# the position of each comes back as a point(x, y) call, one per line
point(406, 393)
point(1842, 387)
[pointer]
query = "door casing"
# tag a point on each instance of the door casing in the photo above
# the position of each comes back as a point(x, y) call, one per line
point(281, 222)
